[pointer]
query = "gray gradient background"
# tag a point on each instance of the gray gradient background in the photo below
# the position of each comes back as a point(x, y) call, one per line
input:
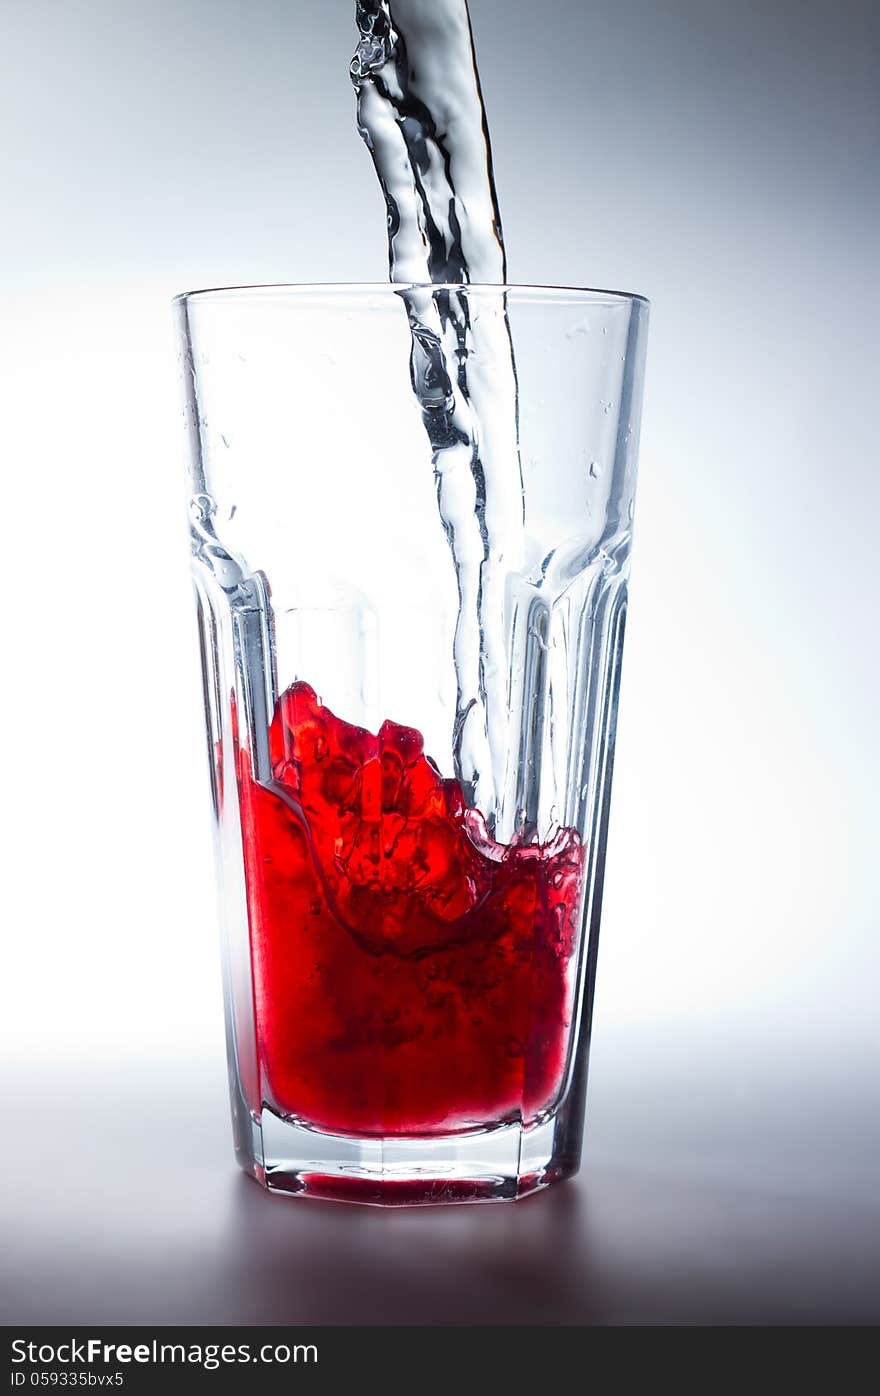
point(721, 158)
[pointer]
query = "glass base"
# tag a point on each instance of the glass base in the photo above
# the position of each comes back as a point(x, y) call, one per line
point(495, 1165)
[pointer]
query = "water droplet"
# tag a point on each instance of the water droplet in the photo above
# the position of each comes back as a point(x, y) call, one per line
point(224, 440)
point(595, 470)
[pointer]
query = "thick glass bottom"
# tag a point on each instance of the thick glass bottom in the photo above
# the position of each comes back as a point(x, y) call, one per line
point(500, 1164)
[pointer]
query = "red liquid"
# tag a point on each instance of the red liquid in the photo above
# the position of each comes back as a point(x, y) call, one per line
point(411, 976)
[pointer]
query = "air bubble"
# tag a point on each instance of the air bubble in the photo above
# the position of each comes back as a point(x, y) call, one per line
point(201, 507)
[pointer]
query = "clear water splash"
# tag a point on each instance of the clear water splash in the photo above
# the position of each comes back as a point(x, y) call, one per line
point(420, 112)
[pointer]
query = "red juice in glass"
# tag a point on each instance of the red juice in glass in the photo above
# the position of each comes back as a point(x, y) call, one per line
point(411, 976)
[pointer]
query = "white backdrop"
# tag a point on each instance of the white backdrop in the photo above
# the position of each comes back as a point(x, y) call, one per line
point(720, 159)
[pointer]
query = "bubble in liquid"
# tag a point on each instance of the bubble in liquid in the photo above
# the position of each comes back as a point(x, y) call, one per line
point(201, 507)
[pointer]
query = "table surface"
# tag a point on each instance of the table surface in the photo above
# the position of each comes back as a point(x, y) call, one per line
point(713, 1191)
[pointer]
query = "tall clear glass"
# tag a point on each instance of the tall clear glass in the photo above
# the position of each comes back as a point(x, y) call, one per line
point(411, 648)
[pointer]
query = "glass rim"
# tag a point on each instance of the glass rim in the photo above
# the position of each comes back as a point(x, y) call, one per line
point(522, 290)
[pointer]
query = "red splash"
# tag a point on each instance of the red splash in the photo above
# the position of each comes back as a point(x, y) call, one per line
point(411, 975)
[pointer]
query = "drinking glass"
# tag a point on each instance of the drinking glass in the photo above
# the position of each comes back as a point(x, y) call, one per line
point(411, 602)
